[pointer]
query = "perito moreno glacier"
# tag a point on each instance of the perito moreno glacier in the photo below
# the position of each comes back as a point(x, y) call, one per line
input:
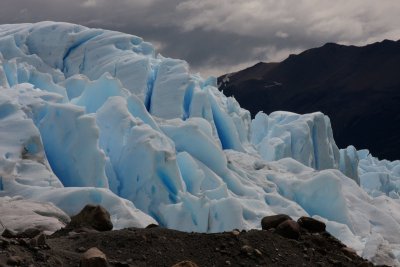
point(96, 116)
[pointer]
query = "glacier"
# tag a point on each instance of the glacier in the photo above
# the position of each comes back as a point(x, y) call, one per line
point(97, 116)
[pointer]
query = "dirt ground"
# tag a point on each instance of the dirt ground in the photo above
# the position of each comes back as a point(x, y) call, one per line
point(164, 247)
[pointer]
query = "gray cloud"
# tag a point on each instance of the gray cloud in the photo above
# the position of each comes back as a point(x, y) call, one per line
point(222, 36)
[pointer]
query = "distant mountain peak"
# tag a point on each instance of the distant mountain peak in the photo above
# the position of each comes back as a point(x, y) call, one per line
point(342, 81)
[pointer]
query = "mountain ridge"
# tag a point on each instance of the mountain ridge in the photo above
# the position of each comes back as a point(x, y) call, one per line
point(341, 81)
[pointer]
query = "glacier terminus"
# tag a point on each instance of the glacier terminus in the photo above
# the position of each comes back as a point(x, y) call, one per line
point(97, 116)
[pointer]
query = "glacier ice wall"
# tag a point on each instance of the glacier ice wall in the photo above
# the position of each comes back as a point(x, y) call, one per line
point(377, 177)
point(95, 116)
point(305, 138)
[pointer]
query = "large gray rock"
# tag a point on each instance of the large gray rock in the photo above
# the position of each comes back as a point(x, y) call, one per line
point(289, 229)
point(312, 225)
point(92, 216)
point(273, 221)
point(93, 257)
point(8, 233)
point(29, 233)
point(38, 241)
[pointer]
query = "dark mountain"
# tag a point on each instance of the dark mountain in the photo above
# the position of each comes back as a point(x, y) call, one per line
point(357, 87)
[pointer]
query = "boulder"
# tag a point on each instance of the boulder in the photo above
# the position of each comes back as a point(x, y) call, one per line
point(273, 221)
point(8, 233)
point(185, 264)
point(236, 232)
point(289, 229)
point(349, 252)
point(152, 225)
point(29, 233)
point(312, 225)
point(93, 257)
point(38, 241)
point(92, 216)
point(4, 242)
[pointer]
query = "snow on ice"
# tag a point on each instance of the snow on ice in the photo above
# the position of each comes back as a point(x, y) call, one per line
point(95, 116)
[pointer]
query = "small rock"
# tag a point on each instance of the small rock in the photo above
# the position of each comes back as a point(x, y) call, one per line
point(92, 216)
point(30, 233)
point(23, 242)
point(7, 233)
point(312, 225)
point(121, 264)
point(269, 222)
point(235, 232)
point(152, 225)
point(38, 241)
point(81, 249)
point(41, 256)
point(73, 235)
point(258, 252)
point(334, 262)
point(349, 252)
point(246, 250)
point(185, 264)
point(85, 230)
point(14, 260)
point(4, 242)
point(289, 229)
point(228, 263)
point(93, 258)
point(223, 251)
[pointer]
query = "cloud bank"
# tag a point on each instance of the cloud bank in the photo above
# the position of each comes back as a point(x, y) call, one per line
point(216, 37)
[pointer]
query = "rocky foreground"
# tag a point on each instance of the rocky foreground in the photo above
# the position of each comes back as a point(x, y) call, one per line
point(88, 241)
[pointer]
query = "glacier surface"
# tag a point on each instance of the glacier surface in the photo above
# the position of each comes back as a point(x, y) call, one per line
point(96, 116)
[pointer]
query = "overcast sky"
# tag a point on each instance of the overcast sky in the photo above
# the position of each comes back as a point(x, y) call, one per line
point(220, 36)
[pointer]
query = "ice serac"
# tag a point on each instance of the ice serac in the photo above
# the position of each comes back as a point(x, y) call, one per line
point(25, 170)
point(379, 177)
point(143, 159)
point(306, 138)
point(349, 161)
point(95, 116)
point(170, 85)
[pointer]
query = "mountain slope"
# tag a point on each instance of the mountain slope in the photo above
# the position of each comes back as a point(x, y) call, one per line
point(357, 87)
